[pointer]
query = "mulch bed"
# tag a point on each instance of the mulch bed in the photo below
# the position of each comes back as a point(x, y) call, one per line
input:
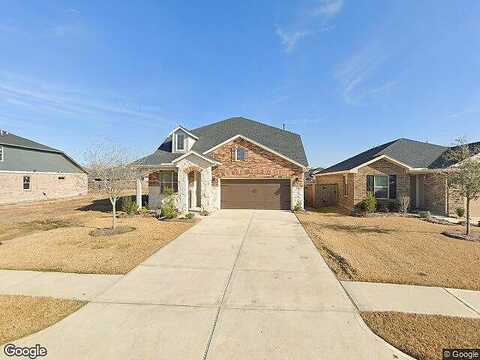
point(110, 232)
point(462, 236)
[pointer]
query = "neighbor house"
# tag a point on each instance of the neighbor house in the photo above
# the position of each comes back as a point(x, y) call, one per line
point(400, 168)
point(232, 164)
point(30, 171)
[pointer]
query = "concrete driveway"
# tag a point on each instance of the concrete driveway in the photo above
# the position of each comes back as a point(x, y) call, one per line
point(242, 284)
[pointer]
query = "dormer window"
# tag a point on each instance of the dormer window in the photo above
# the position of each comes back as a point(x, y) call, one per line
point(180, 142)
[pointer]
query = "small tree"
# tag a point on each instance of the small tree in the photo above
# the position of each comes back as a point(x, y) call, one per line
point(110, 167)
point(464, 174)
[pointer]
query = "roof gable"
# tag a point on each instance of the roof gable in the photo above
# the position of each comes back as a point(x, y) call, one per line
point(415, 154)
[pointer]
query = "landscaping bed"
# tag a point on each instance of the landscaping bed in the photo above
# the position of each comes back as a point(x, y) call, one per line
point(24, 315)
point(399, 250)
point(65, 243)
point(424, 336)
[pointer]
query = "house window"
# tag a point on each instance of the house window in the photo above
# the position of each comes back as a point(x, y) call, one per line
point(180, 141)
point(378, 185)
point(345, 185)
point(1, 153)
point(240, 154)
point(168, 180)
point(26, 183)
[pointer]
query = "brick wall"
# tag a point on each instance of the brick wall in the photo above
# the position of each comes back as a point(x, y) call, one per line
point(344, 201)
point(381, 167)
point(438, 198)
point(259, 164)
point(44, 186)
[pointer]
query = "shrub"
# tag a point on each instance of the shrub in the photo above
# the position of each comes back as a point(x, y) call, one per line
point(368, 205)
point(189, 215)
point(297, 207)
point(169, 210)
point(424, 214)
point(404, 203)
point(460, 212)
point(129, 206)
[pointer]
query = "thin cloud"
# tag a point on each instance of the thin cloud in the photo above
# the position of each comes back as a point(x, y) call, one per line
point(71, 103)
point(308, 23)
point(327, 8)
point(356, 73)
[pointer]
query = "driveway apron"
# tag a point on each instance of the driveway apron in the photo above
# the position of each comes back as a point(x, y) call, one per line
point(242, 284)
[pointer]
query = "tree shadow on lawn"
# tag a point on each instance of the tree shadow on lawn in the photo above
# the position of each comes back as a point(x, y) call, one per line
point(358, 229)
point(104, 205)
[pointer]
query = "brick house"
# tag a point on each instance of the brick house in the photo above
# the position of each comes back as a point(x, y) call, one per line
point(30, 171)
point(400, 168)
point(236, 163)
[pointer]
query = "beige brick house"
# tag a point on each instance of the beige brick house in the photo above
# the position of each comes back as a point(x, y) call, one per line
point(30, 171)
point(236, 163)
point(400, 168)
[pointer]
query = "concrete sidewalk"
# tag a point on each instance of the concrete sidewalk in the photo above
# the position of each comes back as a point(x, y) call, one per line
point(414, 299)
point(85, 287)
point(242, 284)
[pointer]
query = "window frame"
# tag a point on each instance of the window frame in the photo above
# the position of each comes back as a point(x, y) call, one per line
point(173, 182)
point(2, 153)
point(25, 182)
point(382, 187)
point(177, 141)
point(244, 154)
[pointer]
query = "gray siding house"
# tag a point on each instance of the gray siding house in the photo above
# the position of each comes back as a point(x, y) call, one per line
point(30, 171)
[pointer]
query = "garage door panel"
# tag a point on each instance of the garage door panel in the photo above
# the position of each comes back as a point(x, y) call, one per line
point(255, 194)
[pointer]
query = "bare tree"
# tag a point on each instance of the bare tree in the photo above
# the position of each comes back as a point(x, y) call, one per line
point(111, 169)
point(464, 174)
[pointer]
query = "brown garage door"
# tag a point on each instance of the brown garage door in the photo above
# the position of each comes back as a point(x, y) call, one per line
point(256, 194)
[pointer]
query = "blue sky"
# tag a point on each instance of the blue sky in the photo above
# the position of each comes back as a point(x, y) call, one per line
point(346, 75)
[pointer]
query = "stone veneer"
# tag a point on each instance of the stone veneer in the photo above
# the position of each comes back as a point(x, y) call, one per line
point(259, 164)
point(44, 186)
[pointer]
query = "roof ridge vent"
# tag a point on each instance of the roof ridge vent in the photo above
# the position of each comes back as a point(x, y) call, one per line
point(3, 132)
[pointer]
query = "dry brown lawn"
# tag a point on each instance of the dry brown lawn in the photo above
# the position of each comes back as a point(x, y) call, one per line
point(55, 237)
point(24, 315)
point(393, 249)
point(424, 336)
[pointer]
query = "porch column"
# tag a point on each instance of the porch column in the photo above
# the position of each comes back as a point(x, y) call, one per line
point(139, 193)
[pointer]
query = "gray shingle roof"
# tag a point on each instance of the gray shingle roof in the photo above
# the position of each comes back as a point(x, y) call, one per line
point(284, 142)
point(415, 154)
point(14, 140)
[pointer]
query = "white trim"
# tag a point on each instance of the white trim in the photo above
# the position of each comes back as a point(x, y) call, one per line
point(236, 153)
point(259, 145)
point(183, 129)
point(388, 187)
point(197, 154)
point(38, 172)
point(175, 135)
point(356, 168)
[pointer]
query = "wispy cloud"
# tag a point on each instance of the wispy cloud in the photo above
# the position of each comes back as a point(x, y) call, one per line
point(356, 76)
point(290, 39)
point(308, 23)
point(45, 98)
point(327, 8)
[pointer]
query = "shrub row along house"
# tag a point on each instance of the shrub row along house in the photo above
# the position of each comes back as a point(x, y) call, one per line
point(400, 169)
point(235, 163)
point(30, 171)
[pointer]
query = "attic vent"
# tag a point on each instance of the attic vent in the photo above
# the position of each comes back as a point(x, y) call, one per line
point(3, 132)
